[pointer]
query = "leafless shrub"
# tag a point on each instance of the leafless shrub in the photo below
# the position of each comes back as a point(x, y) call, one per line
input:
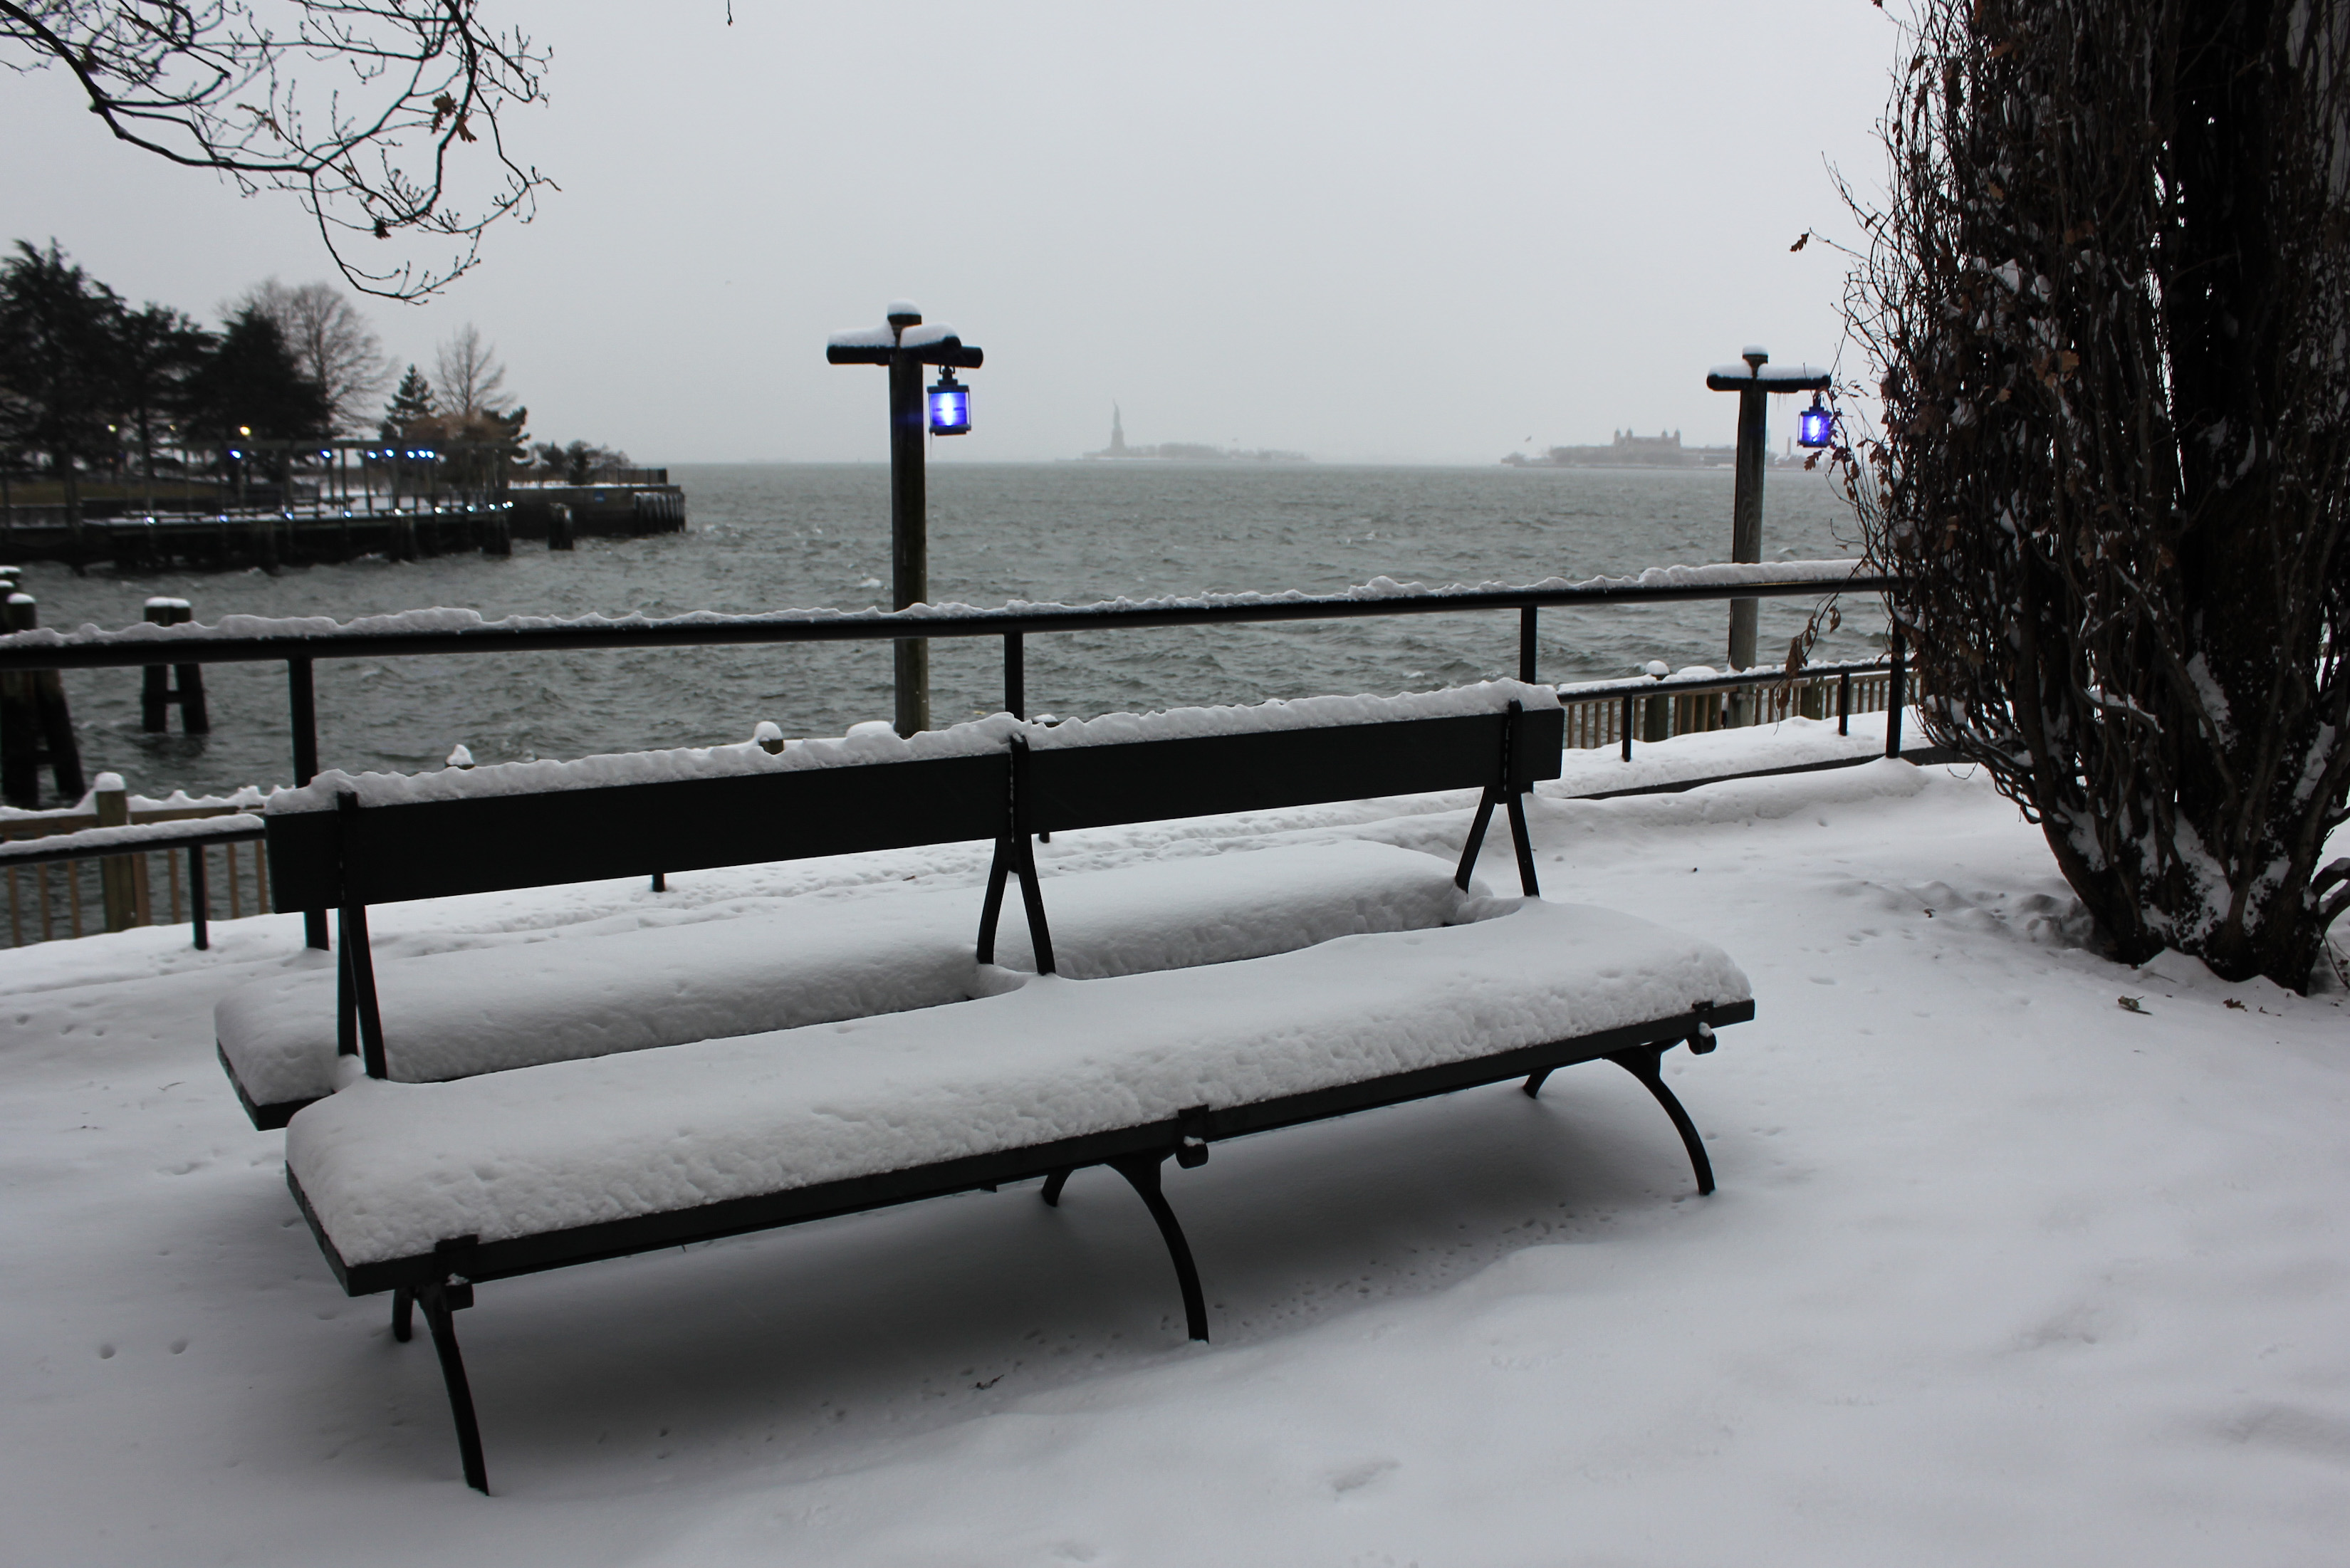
point(2107, 296)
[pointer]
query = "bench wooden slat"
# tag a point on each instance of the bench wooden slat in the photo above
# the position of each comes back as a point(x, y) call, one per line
point(437, 850)
point(433, 850)
point(1101, 786)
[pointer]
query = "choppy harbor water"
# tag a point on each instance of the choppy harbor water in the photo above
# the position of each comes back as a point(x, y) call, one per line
point(781, 537)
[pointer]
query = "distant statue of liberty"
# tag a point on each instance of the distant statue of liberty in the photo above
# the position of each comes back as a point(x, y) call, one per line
point(1116, 432)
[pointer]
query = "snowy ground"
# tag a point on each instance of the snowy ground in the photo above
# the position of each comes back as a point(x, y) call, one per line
point(2000, 1272)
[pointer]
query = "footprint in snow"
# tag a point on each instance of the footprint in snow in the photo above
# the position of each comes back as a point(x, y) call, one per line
point(1355, 1477)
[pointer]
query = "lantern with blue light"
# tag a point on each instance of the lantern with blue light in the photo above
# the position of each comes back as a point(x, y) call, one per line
point(950, 405)
point(1815, 426)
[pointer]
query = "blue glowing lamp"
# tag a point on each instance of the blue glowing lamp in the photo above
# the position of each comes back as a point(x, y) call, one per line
point(1815, 426)
point(949, 406)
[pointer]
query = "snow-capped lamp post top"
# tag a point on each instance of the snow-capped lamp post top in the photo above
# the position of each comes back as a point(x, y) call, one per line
point(904, 346)
point(1751, 376)
point(1750, 381)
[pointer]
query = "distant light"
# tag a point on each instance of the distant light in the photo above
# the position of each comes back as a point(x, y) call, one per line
point(1815, 426)
point(950, 407)
point(245, 430)
point(234, 453)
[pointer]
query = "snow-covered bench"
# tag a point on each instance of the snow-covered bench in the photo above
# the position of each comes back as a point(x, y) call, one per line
point(817, 959)
point(425, 1189)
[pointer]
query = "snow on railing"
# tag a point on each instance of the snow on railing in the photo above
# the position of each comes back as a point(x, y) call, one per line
point(449, 630)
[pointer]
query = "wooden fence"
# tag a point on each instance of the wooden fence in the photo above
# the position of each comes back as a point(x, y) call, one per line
point(1597, 719)
point(117, 892)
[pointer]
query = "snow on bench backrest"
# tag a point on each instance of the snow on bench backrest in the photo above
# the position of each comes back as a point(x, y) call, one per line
point(521, 824)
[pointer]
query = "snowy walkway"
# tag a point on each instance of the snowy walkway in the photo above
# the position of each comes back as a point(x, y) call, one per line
point(2000, 1272)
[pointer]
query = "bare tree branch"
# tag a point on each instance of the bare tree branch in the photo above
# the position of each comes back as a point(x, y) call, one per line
point(383, 116)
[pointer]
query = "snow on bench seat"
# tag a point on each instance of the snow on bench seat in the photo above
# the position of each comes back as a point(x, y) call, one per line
point(389, 1169)
point(821, 958)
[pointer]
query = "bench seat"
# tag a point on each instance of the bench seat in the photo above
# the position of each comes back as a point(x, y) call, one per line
point(388, 1172)
point(820, 959)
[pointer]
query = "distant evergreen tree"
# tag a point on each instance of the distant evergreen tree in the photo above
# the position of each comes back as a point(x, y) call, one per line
point(157, 349)
point(249, 385)
point(250, 382)
point(477, 449)
point(56, 363)
point(410, 408)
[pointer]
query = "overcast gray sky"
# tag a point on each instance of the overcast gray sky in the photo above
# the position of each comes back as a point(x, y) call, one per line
point(1368, 232)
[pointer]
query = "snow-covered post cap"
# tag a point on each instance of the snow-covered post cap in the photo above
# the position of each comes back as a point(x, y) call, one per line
point(108, 783)
point(1657, 668)
point(1751, 376)
point(770, 737)
point(461, 756)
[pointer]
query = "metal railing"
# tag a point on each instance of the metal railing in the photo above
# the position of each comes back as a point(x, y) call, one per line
point(300, 644)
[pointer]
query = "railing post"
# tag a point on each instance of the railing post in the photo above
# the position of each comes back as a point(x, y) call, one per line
point(115, 874)
point(199, 897)
point(302, 704)
point(1015, 676)
point(1893, 694)
point(909, 552)
point(1527, 618)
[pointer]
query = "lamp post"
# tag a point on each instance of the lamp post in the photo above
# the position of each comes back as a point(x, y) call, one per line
point(1753, 383)
point(905, 346)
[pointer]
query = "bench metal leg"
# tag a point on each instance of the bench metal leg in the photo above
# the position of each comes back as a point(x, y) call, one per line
point(1053, 1185)
point(991, 909)
point(1533, 1084)
point(404, 1302)
point(1476, 842)
point(1141, 1172)
point(1645, 1063)
point(1523, 843)
point(439, 1307)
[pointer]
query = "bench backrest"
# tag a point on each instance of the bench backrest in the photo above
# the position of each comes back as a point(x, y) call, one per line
point(428, 849)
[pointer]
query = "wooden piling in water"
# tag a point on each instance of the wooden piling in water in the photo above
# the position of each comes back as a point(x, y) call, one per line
point(35, 727)
point(158, 694)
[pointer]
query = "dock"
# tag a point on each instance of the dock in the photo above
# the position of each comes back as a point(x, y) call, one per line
point(318, 534)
